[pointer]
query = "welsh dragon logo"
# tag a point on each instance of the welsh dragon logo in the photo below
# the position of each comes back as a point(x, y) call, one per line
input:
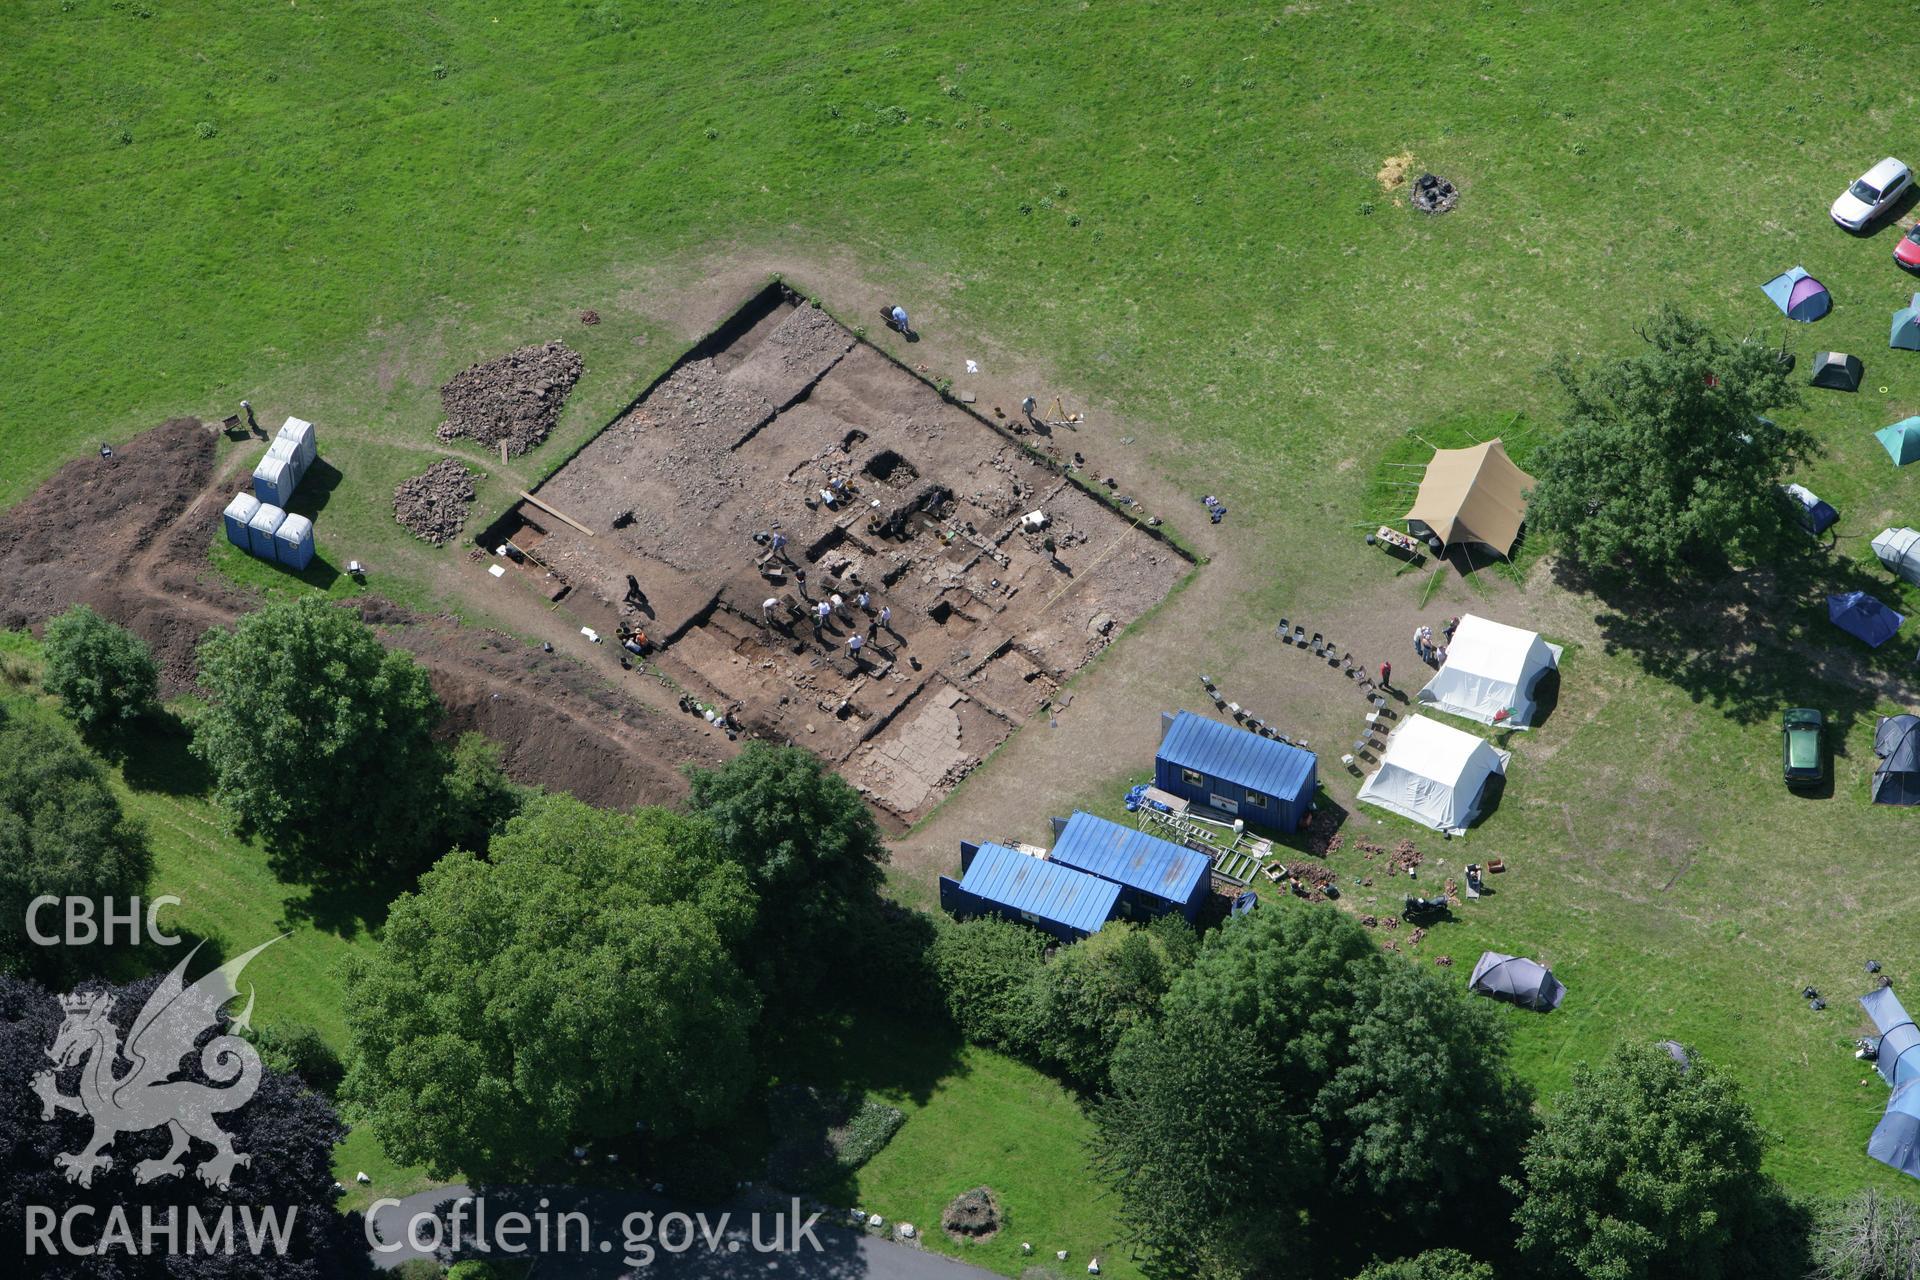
point(148, 1095)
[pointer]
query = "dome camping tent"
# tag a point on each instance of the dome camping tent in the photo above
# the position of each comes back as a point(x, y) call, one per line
point(1896, 779)
point(1434, 774)
point(1798, 295)
point(1906, 327)
point(293, 542)
point(1815, 516)
point(1491, 669)
point(1527, 983)
point(1864, 617)
point(1837, 371)
point(1471, 495)
point(1899, 550)
point(1901, 441)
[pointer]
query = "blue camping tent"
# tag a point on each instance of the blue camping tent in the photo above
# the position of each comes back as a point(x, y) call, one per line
point(1861, 615)
point(1906, 327)
point(1899, 1060)
point(1815, 515)
point(1901, 441)
point(1798, 295)
point(1896, 1139)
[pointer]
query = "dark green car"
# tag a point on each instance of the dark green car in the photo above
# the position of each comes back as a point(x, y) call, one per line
point(1803, 747)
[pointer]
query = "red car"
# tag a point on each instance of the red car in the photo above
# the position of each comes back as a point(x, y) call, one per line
point(1907, 251)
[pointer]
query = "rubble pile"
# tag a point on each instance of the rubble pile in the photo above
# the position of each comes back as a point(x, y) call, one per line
point(513, 400)
point(432, 506)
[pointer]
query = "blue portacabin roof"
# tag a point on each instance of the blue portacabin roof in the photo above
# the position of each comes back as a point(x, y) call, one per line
point(1234, 755)
point(1129, 857)
point(1046, 889)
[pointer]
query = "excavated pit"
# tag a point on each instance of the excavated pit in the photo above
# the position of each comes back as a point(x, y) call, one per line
point(783, 423)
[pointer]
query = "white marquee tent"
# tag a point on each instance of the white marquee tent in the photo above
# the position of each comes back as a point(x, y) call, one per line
point(1491, 667)
point(1434, 774)
point(1899, 550)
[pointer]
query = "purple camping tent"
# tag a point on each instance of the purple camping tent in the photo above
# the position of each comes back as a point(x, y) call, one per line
point(1798, 295)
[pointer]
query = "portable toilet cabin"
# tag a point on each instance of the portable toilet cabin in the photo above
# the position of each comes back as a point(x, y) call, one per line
point(275, 479)
point(242, 509)
point(260, 530)
point(293, 542)
point(289, 448)
point(300, 431)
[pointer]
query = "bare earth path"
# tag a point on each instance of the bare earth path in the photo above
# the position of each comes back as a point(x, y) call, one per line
point(131, 538)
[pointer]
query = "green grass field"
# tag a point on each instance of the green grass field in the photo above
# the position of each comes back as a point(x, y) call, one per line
point(1172, 209)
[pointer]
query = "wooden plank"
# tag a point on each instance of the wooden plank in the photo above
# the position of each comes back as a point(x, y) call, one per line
point(559, 515)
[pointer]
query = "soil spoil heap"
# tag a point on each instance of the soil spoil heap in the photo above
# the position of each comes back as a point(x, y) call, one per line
point(432, 506)
point(515, 399)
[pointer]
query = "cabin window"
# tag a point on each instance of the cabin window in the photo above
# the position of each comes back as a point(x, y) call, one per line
point(1255, 800)
point(1193, 777)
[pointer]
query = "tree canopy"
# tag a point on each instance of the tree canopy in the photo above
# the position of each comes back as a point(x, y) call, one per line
point(104, 675)
point(1091, 993)
point(1667, 457)
point(810, 847)
point(1868, 1236)
point(578, 981)
point(1646, 1167)
point(1299, 1082)
point(986, 968)
point(288, 1130)
point(1434, 1264)
point(62, 833)
point(479, 798)
point(319, 738)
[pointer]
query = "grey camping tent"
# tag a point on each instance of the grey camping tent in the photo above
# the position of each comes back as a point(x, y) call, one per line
point(1837, 370)
point(1896, 779)
point(1899, 550)
point(1527, 983)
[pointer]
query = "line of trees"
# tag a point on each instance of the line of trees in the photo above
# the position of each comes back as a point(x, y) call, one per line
point(598, 975)
point(1286, 1098)
point(1279, 1096)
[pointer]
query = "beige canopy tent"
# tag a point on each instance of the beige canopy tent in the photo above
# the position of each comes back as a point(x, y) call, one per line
point(1472, 495)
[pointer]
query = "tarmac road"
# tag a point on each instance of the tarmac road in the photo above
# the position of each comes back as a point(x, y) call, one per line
point(727, 1242)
